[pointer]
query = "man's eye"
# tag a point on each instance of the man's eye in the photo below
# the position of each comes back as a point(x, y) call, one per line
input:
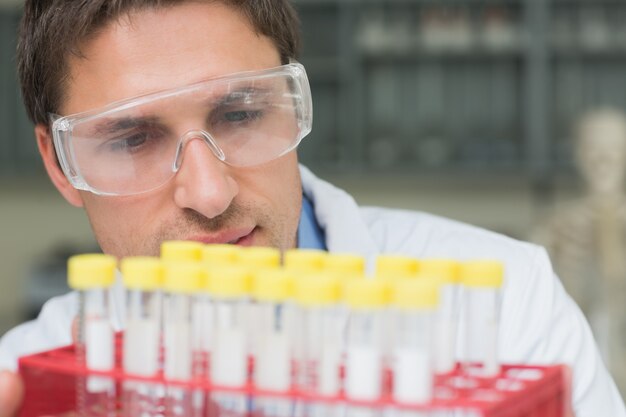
point(242, 115)
point(129, 143)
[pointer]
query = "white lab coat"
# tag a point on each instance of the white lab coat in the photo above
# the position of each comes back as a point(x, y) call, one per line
point(540, 324)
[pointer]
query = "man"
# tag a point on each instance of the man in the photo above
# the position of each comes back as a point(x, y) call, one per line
point(176, 120)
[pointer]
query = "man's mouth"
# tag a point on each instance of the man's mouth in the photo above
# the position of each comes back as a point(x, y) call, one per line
point(241, 237)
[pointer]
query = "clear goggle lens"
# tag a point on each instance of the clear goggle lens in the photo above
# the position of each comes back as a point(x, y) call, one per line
point(137, 145)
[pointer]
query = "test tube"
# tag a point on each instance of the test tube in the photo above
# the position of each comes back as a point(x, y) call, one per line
point(447, 272)
point(415, 303)
point(391, 268)
point(482, 281)
point(256, 258)
point(181, 281)
point(91, 275)
point(396, 267)
point(345, 265)
point(143, 277)
point(273, 350)
point(212, 255)
point(304, 260)
point(367, 300)
point(229, 287)
point(319, 342)
point(181, 250)
point(218, 254)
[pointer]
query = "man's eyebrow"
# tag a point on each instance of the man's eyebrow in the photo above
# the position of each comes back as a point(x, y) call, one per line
point(239, 95)
point(114, 125)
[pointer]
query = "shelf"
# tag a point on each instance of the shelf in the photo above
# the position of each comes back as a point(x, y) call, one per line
point(582, 53)
point(418, 55)
point(383, 3)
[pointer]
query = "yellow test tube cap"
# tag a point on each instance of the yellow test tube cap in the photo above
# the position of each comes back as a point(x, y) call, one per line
point(482, 274)
point(273, 285)
point(91, 271)
point(366, 294)
point(220, 253)
point(304, 259)
point(144, 273)
point(446, 270)
point(259, 257)
point(181, 250)
point(346, 264)
point(416, 294)
point(229, 281)
point(317, 289)
point(183, 276)
point(396, 267)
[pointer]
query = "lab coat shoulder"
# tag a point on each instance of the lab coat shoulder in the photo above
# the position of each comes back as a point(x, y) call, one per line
point(51, 329)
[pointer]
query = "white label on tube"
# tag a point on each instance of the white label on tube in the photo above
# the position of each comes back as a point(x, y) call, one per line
point(177, 351)
point(141, 347)
point(99, 345)
point(363, 373)
point(202, 319)
point(274, 360)
point(445, 337)
point(329, 369)
point(229, 361)
point(413, 381)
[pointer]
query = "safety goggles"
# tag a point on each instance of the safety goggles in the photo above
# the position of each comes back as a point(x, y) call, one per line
point(136, 145)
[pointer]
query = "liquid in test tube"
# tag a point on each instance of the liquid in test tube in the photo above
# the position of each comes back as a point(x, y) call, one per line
point(482, 281)
point(447, 272)
point(414, 305)
point(143, 278)
point(319, 341)
point(274, 348)
point(92, 275)
point(182, 280)
point(367, 300)
point(229, 287)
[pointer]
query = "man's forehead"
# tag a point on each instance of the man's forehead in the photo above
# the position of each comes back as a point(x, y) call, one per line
point(158, 49)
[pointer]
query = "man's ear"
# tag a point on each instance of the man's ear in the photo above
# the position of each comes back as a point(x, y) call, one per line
point(48, 155)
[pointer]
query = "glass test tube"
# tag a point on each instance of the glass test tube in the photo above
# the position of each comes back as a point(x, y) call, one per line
point(143, 277)
point(181, 281)
point(92, 275)
point(319, 344)
point(482, 281)
point(415, 303)
point(345, 267)
point(391, 268)
point(273, 350)
point(304, 260)
point(448, 273)
point(367, 300)
point(229, 287)
point(212, 255)
point(181, 251)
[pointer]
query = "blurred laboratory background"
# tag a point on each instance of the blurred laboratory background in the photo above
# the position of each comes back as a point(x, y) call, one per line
point(485, 111)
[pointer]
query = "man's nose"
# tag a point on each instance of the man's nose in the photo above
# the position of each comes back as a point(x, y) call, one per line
point(203, 183)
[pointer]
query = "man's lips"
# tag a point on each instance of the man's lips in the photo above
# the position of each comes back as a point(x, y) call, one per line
point(242, 236)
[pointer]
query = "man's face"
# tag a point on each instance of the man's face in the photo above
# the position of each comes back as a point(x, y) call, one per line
point(206, 200)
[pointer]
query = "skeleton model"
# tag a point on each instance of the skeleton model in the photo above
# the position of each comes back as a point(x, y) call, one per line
point(587, 238)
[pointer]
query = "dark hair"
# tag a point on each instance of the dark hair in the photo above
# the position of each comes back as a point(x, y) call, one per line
point(51, 30)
